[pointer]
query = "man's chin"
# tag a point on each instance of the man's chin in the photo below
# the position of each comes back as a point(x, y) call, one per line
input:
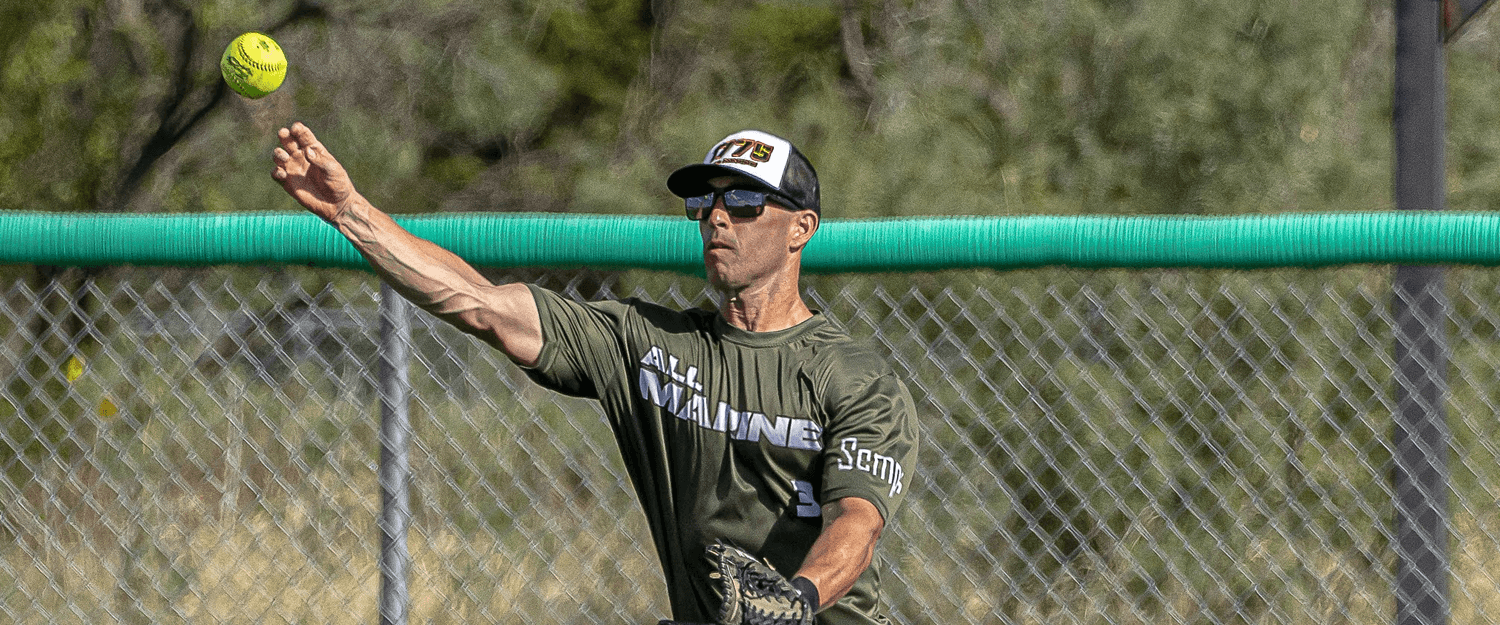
point(719, 281)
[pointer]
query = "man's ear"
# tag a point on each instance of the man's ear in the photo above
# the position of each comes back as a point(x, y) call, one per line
point(802, 228)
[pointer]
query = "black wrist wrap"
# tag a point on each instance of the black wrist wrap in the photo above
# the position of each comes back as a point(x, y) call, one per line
point(808, 591)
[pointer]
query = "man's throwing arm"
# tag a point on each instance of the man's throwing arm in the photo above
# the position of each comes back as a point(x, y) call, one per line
point(434, 279)
point(441, 283)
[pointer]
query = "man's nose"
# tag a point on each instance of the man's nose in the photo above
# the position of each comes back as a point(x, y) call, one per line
point(718, 214)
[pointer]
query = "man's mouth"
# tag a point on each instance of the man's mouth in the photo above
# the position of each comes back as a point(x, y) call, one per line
point(718, 245)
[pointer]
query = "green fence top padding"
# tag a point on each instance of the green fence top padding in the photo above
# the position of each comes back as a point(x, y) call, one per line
point(842, 245)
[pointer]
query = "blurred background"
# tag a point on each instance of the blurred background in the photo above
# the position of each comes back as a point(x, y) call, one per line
point(1114, 446)
point(906, 108)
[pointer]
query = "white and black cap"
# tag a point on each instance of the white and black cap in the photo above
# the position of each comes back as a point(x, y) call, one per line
point(765, 158)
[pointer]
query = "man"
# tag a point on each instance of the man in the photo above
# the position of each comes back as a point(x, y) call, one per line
point(761, 427)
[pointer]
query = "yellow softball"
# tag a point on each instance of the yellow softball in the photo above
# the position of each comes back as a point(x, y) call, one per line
point(253, 65)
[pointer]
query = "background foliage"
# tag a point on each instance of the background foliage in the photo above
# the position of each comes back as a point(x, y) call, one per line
point(931, 107)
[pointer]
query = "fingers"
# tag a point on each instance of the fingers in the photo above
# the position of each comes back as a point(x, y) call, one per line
point(296, 134)
point(300, 152)
point(298, 145)
point(300, 138)
point(302, 134)
point(303, 137)
point(287, 142)
point(281, 158)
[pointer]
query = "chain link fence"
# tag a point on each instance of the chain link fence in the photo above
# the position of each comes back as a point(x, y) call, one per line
point(1099, 447)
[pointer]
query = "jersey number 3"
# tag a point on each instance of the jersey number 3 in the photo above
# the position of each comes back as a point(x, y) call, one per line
point(806, 505)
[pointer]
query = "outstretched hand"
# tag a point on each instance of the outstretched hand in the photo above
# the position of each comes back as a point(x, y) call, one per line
point(310, 174)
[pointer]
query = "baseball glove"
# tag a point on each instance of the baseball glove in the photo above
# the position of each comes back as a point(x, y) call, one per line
point(754, 593)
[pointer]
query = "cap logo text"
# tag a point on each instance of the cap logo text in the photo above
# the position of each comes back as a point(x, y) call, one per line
point(735, 151)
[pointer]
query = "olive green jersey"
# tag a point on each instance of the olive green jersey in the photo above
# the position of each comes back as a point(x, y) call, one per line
point(735, 435)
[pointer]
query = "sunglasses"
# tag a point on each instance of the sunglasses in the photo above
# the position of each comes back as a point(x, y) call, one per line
point(742, 203)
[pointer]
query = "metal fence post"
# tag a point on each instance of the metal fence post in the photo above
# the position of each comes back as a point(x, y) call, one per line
point(1420, 430)
point(395, 466)
point(1420, 443)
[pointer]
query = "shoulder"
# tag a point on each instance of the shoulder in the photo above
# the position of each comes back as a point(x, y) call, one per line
point(842, 365)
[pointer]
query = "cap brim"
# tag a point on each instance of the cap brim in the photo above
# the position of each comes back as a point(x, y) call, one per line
point(692, 180)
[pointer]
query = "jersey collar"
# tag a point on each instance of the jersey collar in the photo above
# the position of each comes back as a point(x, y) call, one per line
point(768, 339)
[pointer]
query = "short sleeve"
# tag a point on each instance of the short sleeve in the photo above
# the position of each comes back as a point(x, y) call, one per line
point(582, 346)
point(871, 436)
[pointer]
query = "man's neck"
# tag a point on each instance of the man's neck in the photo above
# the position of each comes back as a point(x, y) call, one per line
point(774, 305)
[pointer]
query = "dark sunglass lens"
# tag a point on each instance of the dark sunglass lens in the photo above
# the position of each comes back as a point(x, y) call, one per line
point(745, 212)
point(699, 206)
point(740, 203)
point(737, 198)
point(744, 203)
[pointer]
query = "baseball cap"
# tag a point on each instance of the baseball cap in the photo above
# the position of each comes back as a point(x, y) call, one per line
point(765, 158)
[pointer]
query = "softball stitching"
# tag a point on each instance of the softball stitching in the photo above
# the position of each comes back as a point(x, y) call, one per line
point(245, 57)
